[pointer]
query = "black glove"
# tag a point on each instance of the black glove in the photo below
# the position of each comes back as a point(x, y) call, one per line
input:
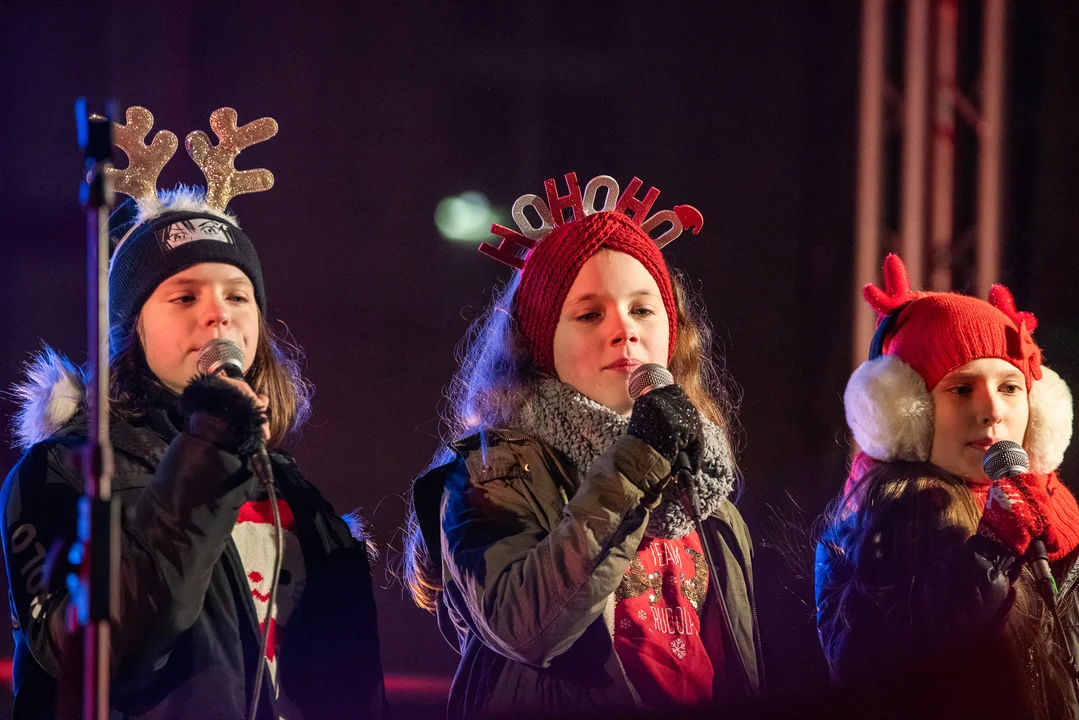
point(219, 413)
point(666, 419)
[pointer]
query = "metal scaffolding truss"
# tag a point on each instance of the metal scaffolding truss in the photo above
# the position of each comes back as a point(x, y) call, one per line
point(924, 112)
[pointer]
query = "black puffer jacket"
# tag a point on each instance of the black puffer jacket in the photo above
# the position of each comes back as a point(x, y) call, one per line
point(932, 630)
point(187, 638)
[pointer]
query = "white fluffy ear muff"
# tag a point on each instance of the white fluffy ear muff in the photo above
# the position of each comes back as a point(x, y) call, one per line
point(889, 410)
point(1049, 429)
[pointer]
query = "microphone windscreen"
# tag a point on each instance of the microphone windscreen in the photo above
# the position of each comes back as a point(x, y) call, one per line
point(221, 354)
point(648, 377)
point(1005, 458)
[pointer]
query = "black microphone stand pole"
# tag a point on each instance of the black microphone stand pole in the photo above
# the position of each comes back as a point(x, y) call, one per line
point(96, 553)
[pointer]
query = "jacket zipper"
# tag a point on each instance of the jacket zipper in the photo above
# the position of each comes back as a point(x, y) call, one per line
point(233, 556)
point(1071, 580)
point(544, 457)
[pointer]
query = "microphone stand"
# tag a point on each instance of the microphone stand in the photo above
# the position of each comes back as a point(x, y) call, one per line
point(96, 552)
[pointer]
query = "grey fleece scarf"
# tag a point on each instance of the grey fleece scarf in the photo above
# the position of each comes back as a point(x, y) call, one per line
point(583, 429)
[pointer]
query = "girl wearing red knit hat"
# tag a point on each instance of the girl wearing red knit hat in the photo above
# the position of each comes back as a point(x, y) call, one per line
point(924, 566)
point(548, 535)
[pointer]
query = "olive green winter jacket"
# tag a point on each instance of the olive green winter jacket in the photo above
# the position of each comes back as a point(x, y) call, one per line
point(531, 556)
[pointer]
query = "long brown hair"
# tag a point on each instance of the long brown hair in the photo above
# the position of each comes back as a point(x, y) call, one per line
point(275, 372)
point(493, 379)
point(883, 534)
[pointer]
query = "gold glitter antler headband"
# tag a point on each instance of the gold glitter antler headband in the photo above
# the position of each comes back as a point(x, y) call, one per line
point(223, 180)
point(144, 162)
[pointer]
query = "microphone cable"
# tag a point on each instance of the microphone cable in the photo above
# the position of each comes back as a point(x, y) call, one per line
point(652, 376)
point(279, 542)
point(221, 356)
point(1005, 459)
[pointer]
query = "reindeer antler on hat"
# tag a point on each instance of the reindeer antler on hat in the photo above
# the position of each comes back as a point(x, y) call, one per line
point(144, 162)
point(217, 162)
point(896, 292)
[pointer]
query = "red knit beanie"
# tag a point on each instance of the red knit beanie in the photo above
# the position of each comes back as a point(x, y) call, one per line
point(936, 332)
point(552, 266)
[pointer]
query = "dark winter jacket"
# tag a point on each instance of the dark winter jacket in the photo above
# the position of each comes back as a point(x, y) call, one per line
point(896, 631)
point(187, 637)
point(532, 555)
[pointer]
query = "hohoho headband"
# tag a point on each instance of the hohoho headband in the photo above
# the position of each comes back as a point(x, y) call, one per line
point(552, 214)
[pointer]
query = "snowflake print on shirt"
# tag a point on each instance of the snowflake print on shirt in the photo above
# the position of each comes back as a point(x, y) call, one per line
point(253, 535)
point(658, 625)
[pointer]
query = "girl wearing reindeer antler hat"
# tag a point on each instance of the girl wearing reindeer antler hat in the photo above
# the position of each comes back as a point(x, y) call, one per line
point(547, 535)
point(197, 549)
point(921, 569)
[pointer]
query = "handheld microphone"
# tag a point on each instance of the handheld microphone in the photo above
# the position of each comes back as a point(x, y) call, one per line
point(219, 356)
point(1006, 459)
point(643, 380)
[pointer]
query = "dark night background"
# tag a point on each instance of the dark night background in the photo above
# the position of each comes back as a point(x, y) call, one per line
point(746, 110)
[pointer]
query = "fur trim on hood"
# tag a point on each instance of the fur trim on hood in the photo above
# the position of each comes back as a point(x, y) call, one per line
point(51, 395)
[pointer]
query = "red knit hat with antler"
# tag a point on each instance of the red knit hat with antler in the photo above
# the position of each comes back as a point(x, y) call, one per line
point(552, 266)
point(936, 332)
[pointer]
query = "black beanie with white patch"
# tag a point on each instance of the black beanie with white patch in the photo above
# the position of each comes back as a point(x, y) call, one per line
point(149, 252)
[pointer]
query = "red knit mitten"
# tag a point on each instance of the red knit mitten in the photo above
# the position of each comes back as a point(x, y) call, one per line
point(1016, 511)
point(1062, 535)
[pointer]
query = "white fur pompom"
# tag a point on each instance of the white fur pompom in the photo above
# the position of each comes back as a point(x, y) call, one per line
point(182, 198)
point(1049, 429)
point(48, 398)
point(889, 410)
